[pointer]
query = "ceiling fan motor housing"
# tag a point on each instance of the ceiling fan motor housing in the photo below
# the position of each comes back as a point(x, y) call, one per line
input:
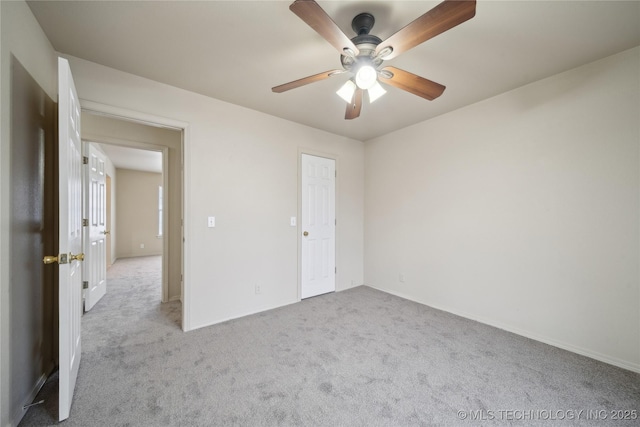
point(363, 23)
point(365, 42)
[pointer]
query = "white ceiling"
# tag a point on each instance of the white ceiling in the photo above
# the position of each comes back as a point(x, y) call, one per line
point(133, 158)
point(236, 51)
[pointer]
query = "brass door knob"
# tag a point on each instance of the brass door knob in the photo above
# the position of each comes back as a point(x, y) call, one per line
point(50, 259)
point(106, 232)
point(60, 259)
point(79, 257)
point(306, 233)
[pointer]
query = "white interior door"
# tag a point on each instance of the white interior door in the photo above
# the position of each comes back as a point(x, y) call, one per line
point(318, 223)
point(70, 235)
point(95, 242)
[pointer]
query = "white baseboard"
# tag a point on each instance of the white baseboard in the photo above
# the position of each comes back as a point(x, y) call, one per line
point(528, 334)
point(249, 313)
point(138, 255)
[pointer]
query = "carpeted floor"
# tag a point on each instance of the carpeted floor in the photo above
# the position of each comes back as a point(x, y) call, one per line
point(354, 358)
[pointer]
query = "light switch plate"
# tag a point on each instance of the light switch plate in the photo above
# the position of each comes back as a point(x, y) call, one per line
point(293, 221)
point(211, 221)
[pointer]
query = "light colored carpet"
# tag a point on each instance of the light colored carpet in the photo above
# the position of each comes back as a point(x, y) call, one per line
point(354, 358)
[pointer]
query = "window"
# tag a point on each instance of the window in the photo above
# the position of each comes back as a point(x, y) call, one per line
point(160, 211)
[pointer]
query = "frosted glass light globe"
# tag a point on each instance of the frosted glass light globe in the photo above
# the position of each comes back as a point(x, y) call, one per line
point(375, 92)
point(366, 77)
point(347, 90)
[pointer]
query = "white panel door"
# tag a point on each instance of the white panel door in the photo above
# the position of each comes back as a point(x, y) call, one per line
point(318, 223)
point(70, 236)
point(95, 242)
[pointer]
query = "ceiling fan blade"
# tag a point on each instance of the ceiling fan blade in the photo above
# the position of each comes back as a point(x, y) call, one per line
point(411, 83)
point(354, 107)
point(441, 18)
point(311, 13)
point(305, 81)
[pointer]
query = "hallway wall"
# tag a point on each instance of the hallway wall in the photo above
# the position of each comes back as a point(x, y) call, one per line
point(137, 213)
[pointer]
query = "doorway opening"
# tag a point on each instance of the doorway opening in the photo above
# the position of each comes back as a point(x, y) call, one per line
point(144, 184)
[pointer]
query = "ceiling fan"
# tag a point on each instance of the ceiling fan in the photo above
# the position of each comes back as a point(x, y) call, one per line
point(363, 55)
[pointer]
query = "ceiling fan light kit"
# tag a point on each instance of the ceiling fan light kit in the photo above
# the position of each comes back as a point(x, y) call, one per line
point(364, 54)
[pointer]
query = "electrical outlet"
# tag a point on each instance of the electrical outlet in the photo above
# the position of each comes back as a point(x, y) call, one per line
point(258, 290)
point(353, 283)
point(401, 278)
point(141, 245)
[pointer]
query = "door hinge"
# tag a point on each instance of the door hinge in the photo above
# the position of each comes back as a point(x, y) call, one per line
point(85, 285)
point(85, 222)
point(336, 270)
point(85, 160)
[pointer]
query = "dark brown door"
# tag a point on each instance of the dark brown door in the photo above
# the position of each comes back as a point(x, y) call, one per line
point(33, 223)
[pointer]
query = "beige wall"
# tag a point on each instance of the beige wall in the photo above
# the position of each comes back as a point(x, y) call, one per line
point(137, 213)
point(241, 166)
point(521, 211)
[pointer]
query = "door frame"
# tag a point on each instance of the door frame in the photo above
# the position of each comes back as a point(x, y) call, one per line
point(108, 260)
point(336, 159)
point(158, 121)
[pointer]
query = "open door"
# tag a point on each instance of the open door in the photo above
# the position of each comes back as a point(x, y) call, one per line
point(70, 236)
point(95, 245)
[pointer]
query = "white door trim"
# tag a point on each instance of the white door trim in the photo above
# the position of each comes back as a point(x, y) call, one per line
point(334, 157)
point(150, 119)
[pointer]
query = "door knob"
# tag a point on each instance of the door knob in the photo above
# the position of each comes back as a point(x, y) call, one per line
point(106, 232)
point(60, 259)
point(306, 233)
point(50, 259)
point(79, 257)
